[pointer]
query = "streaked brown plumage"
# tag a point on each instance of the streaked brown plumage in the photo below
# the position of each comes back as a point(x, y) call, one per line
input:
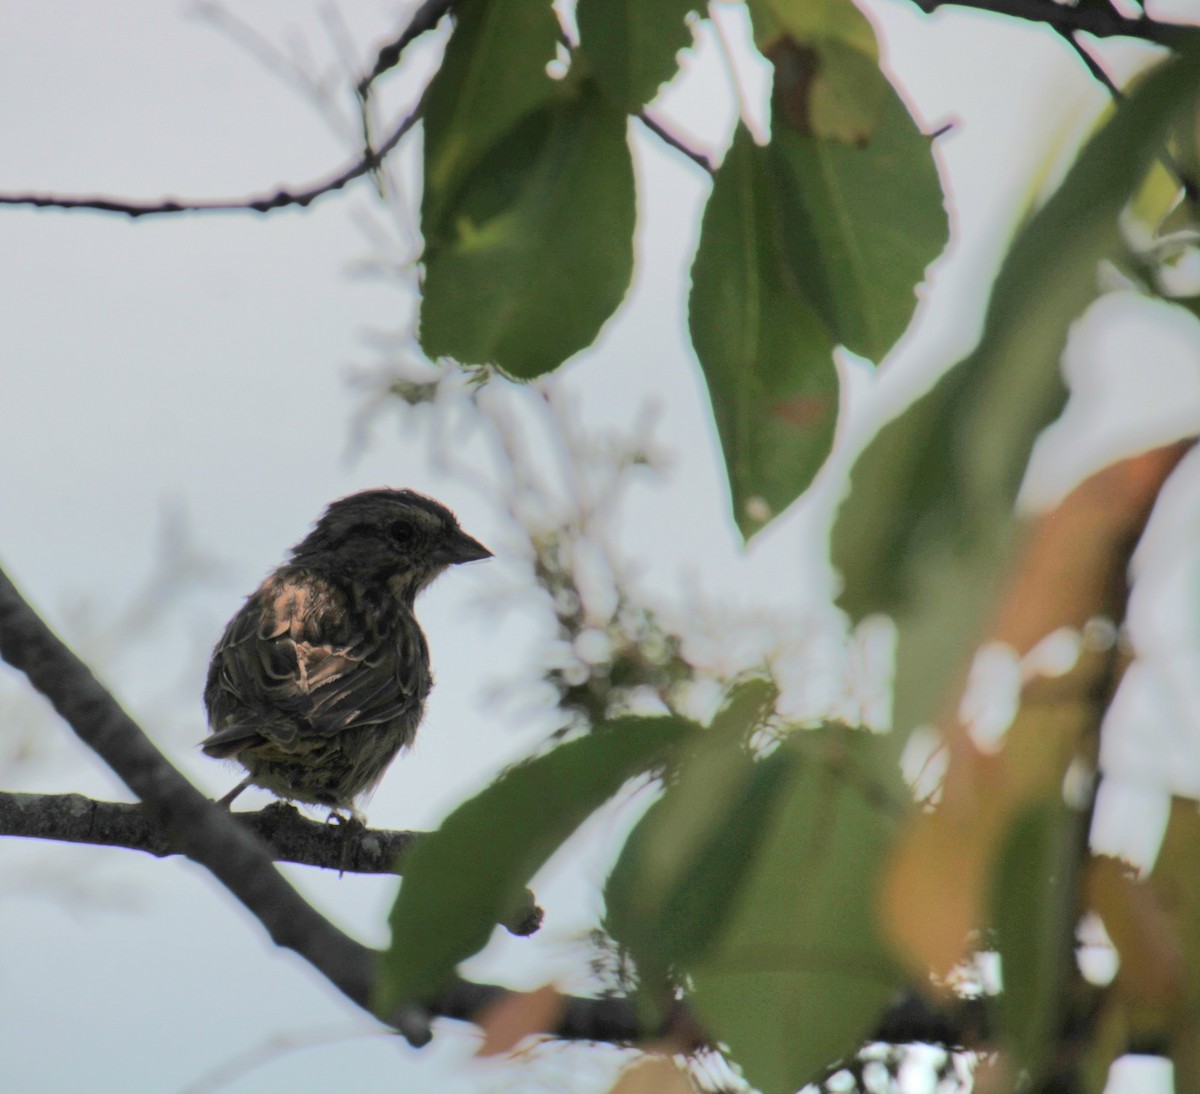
point(321, 678)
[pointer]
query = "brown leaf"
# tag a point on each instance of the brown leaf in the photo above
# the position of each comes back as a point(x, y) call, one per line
point(1152, 961)
point(654, 1074)
point(796, 67)
point(1073, 567)
point(517, 1015)
point(1155, 925)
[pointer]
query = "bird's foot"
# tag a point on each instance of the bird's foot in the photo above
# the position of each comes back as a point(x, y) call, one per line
point(353, 826)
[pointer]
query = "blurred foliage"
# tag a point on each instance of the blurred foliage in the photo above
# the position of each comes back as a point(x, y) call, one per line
point(801, 942)
point(934, 491)
point(686, 860)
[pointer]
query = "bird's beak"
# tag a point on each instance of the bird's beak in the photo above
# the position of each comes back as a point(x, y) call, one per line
point(462, 548)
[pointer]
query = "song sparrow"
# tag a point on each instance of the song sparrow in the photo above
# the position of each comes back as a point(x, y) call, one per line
point(321, 677)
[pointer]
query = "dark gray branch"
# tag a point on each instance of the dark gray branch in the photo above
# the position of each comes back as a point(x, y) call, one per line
point(73, 818)
point(238, 858)
point(1101, 20)
point(1095, 69)
point(370, 161)
point(292, 837)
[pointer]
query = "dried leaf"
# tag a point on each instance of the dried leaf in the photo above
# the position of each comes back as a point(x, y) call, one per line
point(953, 850)
point(517, 1015)
point(654, 1074)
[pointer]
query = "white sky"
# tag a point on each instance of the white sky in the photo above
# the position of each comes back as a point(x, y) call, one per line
point(202, 362)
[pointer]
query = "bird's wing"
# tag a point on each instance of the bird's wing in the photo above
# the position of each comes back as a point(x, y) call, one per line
point(300, 660)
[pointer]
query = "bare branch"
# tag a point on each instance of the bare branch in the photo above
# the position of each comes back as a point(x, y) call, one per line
point(292, 837)
point(73, 818)
point(1097, 19)
point(427, 16)
point(292, 72)
point(1095, 69)
point(281, 199)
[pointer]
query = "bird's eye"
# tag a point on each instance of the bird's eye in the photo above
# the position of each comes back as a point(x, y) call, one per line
point(402, 532)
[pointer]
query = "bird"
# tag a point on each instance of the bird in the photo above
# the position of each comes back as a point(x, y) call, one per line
point(320, 679)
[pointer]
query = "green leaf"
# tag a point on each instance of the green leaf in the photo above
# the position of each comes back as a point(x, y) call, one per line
point(928, 531)
point(867, 221)
point(631, 45)
point(827, 78)
point(680, 869)
point(764, 350)
point(670, 894)
point(745, 708)
point(464, 878)
point(493, 74)
point(536, 251)
point(799, 977)
point(1034, 911)
point(814, 21)
point(859, 174)
point(805, 243)
point(849, 95)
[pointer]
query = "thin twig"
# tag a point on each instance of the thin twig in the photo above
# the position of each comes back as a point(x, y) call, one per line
point(294, 73)
point(228, 1071)
point(667, 137)
point(1090, 63)
point(1101, 20)
point(281, 199)
point(427, 16)
point(1190, 188)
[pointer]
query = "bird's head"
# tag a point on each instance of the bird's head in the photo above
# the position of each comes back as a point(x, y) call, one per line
point(397, 537)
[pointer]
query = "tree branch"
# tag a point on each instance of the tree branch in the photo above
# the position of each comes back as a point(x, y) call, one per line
point(291, 837)
point(281, 199)
point(1102, 21)
point(73, 818)
point(1095, 69)
point(201, 830)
